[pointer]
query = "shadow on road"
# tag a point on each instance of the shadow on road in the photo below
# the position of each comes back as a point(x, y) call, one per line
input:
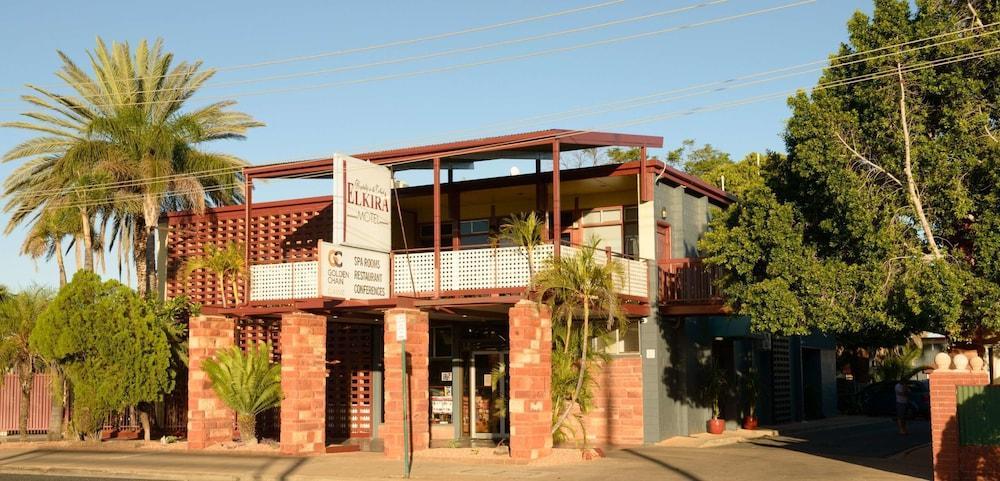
point(673, 469)
point(874, 444)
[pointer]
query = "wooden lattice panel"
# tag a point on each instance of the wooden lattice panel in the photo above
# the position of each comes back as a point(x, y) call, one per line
point(282, 232)
point(349, 382)
point(290, 280)
point(259, 331)
point(420, 265)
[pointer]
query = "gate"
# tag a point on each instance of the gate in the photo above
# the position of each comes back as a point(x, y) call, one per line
point(979, 415)
point(40, 407)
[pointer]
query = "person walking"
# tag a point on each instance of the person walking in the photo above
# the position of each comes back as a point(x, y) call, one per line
point(902, 404)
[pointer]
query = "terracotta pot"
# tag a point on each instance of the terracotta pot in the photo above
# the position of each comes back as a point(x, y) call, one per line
point(716, 425)
point(750, 422)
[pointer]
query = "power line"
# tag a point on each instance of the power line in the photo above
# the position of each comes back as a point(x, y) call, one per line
point(674, 114)
point(496, 60)
point(710, 87)
point(396, 43)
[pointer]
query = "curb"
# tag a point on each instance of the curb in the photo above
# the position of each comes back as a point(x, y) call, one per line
point(137, 475)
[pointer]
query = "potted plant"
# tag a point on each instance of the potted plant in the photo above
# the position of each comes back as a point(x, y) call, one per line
point(751, 393)
point(715, 384)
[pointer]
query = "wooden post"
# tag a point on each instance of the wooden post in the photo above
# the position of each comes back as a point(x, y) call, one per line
point(437, 227)
point(644, 181)
point(556, 209)
point(247, 199)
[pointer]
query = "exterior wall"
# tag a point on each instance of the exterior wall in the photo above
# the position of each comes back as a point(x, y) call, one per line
point(417, 350)
point(688, 216)
point(303, 382)
point(953, 462)
point(617, 416)
point(209, 420)
point(530, 376)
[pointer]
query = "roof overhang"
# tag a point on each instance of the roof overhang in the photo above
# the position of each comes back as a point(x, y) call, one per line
point(461, 154)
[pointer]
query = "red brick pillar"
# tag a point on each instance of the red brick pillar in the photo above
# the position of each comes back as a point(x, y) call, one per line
point(944, 422)
point(530, 372)
point(417, 346)
point(209, 420)
point(303, 382)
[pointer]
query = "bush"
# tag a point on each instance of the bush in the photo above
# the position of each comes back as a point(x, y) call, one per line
point(248, 382)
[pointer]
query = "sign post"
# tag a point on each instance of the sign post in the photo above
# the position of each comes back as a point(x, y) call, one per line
point(401, 338)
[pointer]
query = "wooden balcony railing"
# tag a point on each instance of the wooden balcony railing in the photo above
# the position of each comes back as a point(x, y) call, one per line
point(687, 280)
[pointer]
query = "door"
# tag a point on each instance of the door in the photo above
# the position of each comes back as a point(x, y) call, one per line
point(663, 241)
point(488, 395)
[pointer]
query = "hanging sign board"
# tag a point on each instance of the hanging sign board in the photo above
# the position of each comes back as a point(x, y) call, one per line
point(362, 212)
point(352, 273)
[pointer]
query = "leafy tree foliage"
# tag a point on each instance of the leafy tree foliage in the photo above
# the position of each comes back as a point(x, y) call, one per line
point(882, 218)
point(109, 344)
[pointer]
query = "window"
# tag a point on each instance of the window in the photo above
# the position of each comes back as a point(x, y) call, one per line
point(442, 342)
point(609, 236)
point(475, 232)
point(623, 341)
point(631, 231)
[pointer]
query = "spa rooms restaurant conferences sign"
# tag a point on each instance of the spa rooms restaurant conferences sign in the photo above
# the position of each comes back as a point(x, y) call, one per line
point(356, 264)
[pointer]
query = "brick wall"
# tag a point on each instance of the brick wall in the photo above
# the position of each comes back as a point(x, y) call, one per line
point(303, 382)
point(953, 462)
point(417, 345)
point(209, 420)
point(616, 418)
point(530, 374)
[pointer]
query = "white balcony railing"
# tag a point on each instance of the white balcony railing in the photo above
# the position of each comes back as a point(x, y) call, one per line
point(465, 270)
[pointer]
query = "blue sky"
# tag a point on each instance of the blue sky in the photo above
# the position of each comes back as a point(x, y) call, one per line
point(460, 103)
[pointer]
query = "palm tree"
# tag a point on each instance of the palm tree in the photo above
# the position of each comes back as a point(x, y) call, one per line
point(248, 382)
point(17, 319)
point(226, 263)
point(45, 239)
point(585, 285)
point(129, 115)
point(524, 230)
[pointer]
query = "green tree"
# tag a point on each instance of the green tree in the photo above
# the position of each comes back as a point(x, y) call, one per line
point(17, 321)
point(127, 124)
point(580, 283)
point(225, 263)
point(108, 343)
point(881, 221)
point(248, 382)
point(698, 161)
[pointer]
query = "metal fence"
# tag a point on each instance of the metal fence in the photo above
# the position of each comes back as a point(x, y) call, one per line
point(39, 410)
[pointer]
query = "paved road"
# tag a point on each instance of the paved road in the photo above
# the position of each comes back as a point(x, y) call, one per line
point(839, 449)
point(44, 477)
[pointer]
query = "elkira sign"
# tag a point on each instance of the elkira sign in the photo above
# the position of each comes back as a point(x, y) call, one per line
point(361, 204)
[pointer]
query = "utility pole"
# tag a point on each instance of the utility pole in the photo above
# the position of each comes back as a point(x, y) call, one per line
point(401, 337)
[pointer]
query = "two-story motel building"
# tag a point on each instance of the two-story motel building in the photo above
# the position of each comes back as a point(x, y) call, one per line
point(434, 272)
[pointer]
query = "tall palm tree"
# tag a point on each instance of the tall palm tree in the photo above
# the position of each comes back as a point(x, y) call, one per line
point(582, 284)
point(17, 319)
point(129, 118)
point(226, 263)
point(525, 230)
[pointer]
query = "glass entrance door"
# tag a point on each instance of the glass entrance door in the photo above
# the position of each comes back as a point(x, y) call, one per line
point(488, 395)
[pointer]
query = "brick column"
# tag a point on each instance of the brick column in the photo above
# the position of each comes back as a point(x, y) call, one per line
point(530, 372)
point(944, 422)
point(209, 420)
point(303, 382)
point(417, 346)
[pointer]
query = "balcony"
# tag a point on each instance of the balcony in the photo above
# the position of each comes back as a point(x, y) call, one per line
point(687, 286)
point(475, 271)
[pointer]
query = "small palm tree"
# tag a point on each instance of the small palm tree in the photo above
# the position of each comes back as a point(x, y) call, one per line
point(45, 239)
point(248, 382)
point(226, 263)
point(524, 230)
point(581, 283)
point(17, 319)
